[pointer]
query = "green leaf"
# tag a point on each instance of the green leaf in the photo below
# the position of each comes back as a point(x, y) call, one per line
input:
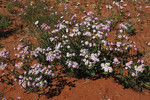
point(147, 85)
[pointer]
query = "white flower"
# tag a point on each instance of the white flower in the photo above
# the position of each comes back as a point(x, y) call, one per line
point(133, 74)
point(36, 22)
point(121, 7)
point(67, 30)
point(106, 67)
point(108, 6)
point(86, 63)
point(68, 55)
point(124, 4)
point(84, 60)
point(90, 44)
point(86, 42)
point(121, 1)
point(86, 56)
point(58, 46)
point(68, 46)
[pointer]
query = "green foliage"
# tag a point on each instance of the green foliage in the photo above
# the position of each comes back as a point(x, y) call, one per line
point(81, 8)
point(4, 23)
point(10, 7)
point(34, 12)
point(130, 29)
point(148, 1)
point(1, 2)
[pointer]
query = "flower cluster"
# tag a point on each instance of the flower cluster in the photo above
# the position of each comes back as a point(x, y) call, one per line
point(45, 27)
point(138, 68)
point(89, 59)
point(24, 53)
point(122, 45)
point(127, 27)
point(4, 53)
point(82, 43)
point(116, 61)
point(19, 65)
point(106, 67)
point(36, 77)
point(51, 55)
point(3, 66)
point(72, 64)
point(128, 65)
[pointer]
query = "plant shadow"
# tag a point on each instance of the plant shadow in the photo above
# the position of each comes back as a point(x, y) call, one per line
point(57, 87)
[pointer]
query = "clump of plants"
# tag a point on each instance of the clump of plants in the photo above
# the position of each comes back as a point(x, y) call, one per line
point(10, 7)
point(39, 11)
point(128, 28)
point(33, 77)
point(83, 51)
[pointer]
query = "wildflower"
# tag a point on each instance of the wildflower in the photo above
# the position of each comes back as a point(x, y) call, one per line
point(19, 65)
point(126, 68)
point(47, 28)
point(133, 74)
point(121, 7)
point(36, 22)
point(119, 36)
point(67, 54)
point(106, 67)
point(3, 66)
point(128, 64)
point(58, 46)
point(94, 57)
point(87, 61)
point(90, 44)
point(108, 6)
point(68, 46)
point(90, 13)
point(24, 84)
point(4, 53)
point(86, 42)
point(116, 61)
point(124, 4)
point(43, 25)
point(139, 68)
point(121, 31)
point(18, 98)
point(72, 64)
point(123, 26)
point(118, 44)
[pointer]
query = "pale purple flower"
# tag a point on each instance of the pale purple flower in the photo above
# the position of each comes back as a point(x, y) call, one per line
point(19, 65)
point(18, 98)
point(118, 44)
point(4, 53)
point(90, 13)
point(119, 36)
point(121, 31)
point(3, 66)
point(43, 25)
point(106, 67)
point(133, 74)
point(116, 61)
